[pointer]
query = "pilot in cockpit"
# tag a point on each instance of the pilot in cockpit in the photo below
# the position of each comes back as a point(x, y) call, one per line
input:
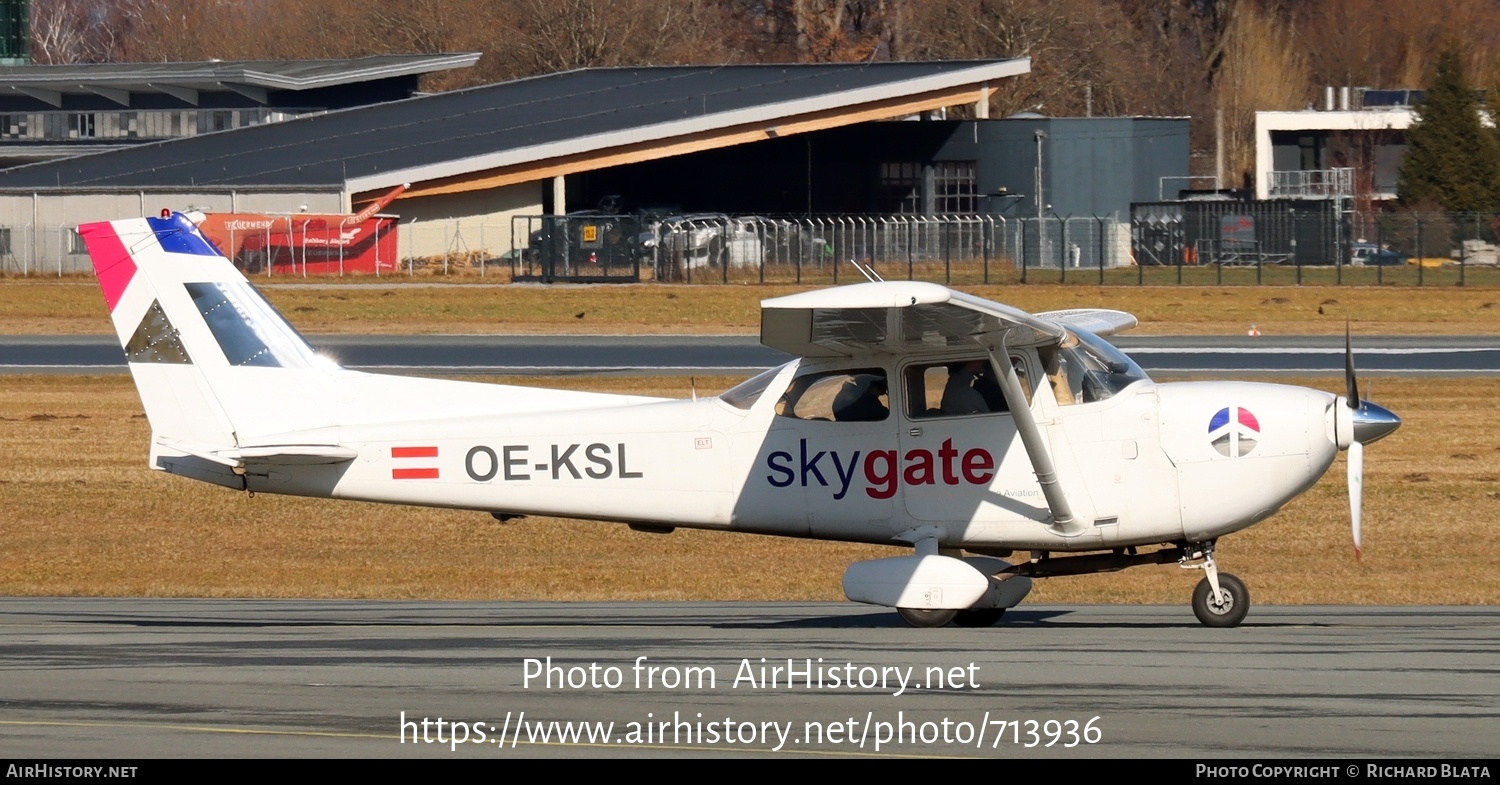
point(961, 394)
point(860, 400)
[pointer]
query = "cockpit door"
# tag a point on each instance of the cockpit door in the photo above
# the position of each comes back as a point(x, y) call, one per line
point(961, 460)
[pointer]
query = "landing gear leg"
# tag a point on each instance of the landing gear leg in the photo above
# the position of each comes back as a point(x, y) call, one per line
point(1220, 599)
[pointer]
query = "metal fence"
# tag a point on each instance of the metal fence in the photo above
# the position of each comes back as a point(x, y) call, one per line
point(43, 250)
point(759, 249)
point(1310, 241)
point(1220, 243)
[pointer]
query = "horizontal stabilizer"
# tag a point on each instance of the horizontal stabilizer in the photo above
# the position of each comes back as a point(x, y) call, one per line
point(268, 455)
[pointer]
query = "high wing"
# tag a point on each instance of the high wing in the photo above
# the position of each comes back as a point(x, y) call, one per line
point(1099, 321)
point(896, 317)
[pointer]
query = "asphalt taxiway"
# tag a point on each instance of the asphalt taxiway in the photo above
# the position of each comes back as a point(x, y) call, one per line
point(1464, 356)
point(129, 678)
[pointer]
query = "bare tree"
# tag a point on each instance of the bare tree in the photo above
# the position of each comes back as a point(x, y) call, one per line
point(558, 35)
point(1084, 56)
point(1264, 67)
point(80, 31)
point(1392, 43)
point(820, 31)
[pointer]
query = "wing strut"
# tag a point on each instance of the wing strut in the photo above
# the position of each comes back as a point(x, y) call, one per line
point(1063, 522)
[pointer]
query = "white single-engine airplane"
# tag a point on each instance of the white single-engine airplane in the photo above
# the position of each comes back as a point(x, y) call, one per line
point(916, 415)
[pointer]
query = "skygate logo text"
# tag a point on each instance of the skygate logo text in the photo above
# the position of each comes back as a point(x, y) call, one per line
point(883, 471)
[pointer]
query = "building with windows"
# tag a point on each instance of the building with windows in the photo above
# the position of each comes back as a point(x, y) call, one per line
point(58, 111)
point(1351, 148)
point(804, 139)
point(1088, 166)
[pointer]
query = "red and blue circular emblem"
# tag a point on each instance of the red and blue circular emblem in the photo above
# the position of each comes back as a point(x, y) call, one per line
point(1234, 436)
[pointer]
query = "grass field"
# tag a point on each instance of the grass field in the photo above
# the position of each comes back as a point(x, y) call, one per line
point(74, 306)
point(84, 516)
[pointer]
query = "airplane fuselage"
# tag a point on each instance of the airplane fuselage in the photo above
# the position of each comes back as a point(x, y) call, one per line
point(1152, 463)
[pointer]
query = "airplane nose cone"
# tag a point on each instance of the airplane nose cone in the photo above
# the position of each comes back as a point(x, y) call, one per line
point(1373, 422)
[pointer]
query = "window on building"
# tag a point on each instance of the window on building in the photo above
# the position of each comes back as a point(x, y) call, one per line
point(954, 187)
point(901, 188)
point(83, 125)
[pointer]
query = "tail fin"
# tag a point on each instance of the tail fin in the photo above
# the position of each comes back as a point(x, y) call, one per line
point(230, 387)
point(212, 360)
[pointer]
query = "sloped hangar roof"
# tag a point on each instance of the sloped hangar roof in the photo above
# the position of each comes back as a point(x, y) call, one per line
point(533, 128)
point(116, 81)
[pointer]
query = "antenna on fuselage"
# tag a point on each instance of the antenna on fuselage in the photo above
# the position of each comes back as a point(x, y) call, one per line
point(868, 271)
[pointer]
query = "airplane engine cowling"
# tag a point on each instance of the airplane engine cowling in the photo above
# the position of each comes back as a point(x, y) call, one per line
point(927, 582)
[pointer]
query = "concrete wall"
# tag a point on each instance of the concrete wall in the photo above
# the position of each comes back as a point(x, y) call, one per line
point(36, 229)
point(464, 223)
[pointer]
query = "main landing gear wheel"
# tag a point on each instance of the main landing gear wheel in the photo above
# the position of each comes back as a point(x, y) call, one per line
point(926, 617)
point(982, 617)
point(1224, 612)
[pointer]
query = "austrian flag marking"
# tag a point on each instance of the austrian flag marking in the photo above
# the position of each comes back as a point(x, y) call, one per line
point(414, 463)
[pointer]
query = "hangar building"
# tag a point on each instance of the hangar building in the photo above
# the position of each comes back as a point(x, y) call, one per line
point(774, 139)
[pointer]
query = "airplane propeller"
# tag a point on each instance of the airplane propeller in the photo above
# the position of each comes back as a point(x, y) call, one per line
point(1371, 422)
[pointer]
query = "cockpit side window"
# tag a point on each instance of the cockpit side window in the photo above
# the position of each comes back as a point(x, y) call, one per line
point(958, 388)
point(857, 395)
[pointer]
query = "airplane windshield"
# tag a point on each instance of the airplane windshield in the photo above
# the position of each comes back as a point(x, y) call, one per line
point(1094, 369)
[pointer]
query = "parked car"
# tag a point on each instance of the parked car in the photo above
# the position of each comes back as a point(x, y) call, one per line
point(1362, 254)
point(709, 239)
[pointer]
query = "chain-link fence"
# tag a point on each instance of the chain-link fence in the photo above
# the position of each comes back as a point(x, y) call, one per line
point(1219, 243)
point(759, 249)
point(1309, 242)
point(43, 250)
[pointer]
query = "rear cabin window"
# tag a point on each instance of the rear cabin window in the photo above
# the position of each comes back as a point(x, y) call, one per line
point(859, 395)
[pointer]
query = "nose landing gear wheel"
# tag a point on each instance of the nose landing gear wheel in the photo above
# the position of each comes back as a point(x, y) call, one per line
point(926, 617)
point(1227, 611)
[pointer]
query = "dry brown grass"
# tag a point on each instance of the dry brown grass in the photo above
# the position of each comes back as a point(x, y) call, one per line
point(83, 516)
point(75, 307)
